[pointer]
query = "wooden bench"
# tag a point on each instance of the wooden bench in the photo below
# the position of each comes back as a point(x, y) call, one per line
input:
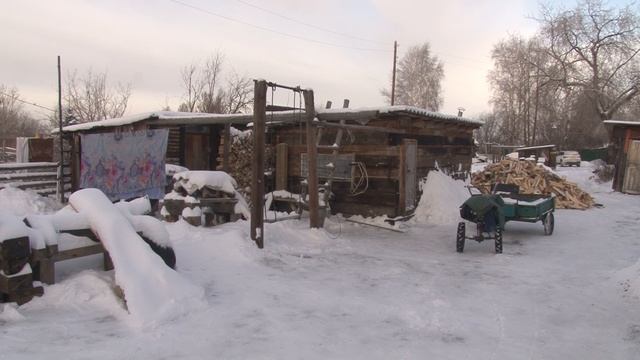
point(43, 260)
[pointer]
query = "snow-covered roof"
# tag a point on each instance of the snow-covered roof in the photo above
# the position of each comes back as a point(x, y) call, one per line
point(362, 115)
point(381, 111)
point(622, 122)
point(536, 147)
point(155, 115)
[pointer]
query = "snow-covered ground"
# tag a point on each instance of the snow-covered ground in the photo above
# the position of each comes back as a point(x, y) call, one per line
point(354, 292)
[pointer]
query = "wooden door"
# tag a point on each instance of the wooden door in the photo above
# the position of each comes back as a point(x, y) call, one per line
point(631, 183)
point(197, 151)
point(408, 182)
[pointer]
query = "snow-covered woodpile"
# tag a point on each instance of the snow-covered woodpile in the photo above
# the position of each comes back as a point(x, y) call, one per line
point(533, 179)
point(208, 194)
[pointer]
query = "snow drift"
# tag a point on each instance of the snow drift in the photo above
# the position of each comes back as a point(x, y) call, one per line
point(441, 199)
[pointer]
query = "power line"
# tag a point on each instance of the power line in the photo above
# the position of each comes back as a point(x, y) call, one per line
point(307, 24)
point(272, 30)
point(27, 102)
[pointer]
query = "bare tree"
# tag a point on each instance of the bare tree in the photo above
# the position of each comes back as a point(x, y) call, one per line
point(14, 121)
point(517, 88)
point(489, 132)
point(594, 48)
point(206, 92)
point(238, 94)
point(419, 78)
point(88, 98)
point(193, 87)
point(211, 98)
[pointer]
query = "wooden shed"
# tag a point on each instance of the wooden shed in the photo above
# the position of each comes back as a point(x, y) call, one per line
point(546, 152)
point(376, 156)
point(625, 154)
point(192, 139)
point(373, 158)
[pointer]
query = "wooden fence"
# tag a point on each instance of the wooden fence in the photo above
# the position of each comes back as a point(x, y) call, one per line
point(41, 177)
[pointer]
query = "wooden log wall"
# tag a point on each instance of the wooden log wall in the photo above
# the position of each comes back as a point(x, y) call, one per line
point(173, 146)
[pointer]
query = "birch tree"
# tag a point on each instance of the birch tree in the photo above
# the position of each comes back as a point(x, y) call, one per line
point(418, 80)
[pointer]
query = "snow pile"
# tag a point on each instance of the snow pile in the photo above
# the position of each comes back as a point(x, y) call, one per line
point(153, 292)
point(12, 227)
point(239, 135)
point(441, 199)
point(191, 181)
point(10, 313)
point(21, 203)
point(171, 169)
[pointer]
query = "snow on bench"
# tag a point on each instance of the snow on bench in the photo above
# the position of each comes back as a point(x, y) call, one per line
point(153, 291)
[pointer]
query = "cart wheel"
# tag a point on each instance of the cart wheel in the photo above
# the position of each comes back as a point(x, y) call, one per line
point(548, 223)
point(460, 235)
point(498, 240)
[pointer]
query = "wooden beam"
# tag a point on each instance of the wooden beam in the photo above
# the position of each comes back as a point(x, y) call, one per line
point(282, 163)
point(257, 180)
point(312, 180)
point(362, 128)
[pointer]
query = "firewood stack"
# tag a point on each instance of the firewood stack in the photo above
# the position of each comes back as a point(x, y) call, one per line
point(240, 161)
point(533, 179)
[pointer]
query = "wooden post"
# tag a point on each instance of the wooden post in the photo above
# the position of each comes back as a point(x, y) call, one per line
point(282, 166)
point(60, 138)
point(312, 159)
point(320, 131)
point(257, 179)
point(227, 147)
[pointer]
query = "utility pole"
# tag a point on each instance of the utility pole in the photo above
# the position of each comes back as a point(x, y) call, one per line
point(60, 166)
point(393, 75)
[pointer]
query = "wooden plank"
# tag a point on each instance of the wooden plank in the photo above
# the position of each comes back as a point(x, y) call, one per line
point(410, 177)
point(362, 128)
point(29, 166)
point(366, 210)
point(28, 176)
point(281, 166)
point(78, 252)
point(631, 184)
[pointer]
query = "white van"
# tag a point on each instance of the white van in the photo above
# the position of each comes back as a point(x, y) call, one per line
point(568, 158)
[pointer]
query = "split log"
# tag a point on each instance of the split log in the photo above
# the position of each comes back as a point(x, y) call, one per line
point(533, 179)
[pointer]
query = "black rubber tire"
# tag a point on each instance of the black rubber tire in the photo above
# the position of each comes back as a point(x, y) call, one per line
point(549, 223)
point(498, 240)
point(460, 237)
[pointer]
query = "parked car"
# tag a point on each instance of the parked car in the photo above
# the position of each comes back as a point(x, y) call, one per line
point(568, 158)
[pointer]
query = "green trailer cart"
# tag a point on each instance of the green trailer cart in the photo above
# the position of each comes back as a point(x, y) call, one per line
point(490, 212)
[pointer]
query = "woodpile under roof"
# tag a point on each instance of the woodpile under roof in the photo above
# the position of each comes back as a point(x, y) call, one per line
point(533, 179)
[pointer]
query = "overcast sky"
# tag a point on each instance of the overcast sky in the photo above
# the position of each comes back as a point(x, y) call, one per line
point(146, 43)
